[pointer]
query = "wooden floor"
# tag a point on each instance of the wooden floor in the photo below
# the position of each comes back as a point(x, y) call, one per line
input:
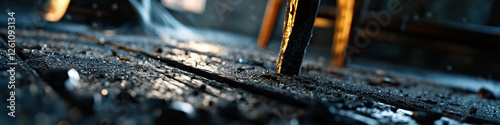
point(138, 79)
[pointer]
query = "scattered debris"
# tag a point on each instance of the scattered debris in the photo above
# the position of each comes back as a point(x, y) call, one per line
point(383, 80)
point(158, 50)
point(244, 68)
point(267, 76)
point(485, 93)
point(130, 101)
point(424, 117)
point(113, 53)
point(124, 59)
point(25, 51)
point(388, 81)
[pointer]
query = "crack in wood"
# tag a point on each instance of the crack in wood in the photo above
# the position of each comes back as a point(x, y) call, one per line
point(253, 89)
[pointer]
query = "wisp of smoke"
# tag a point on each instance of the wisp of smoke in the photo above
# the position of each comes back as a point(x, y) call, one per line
point(158, 20)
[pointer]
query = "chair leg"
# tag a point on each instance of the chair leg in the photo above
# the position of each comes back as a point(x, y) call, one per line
point(297, 32)
point(56, 10)
point(268, 22)
point(349, 12)
point(342, 30)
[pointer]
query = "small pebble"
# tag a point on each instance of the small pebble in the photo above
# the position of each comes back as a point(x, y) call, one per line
point(158, 50)
point(426, 117)
point(388, 81)
point(203, 87)
point(394, 109)
point(485, 93)
point(26, 51)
